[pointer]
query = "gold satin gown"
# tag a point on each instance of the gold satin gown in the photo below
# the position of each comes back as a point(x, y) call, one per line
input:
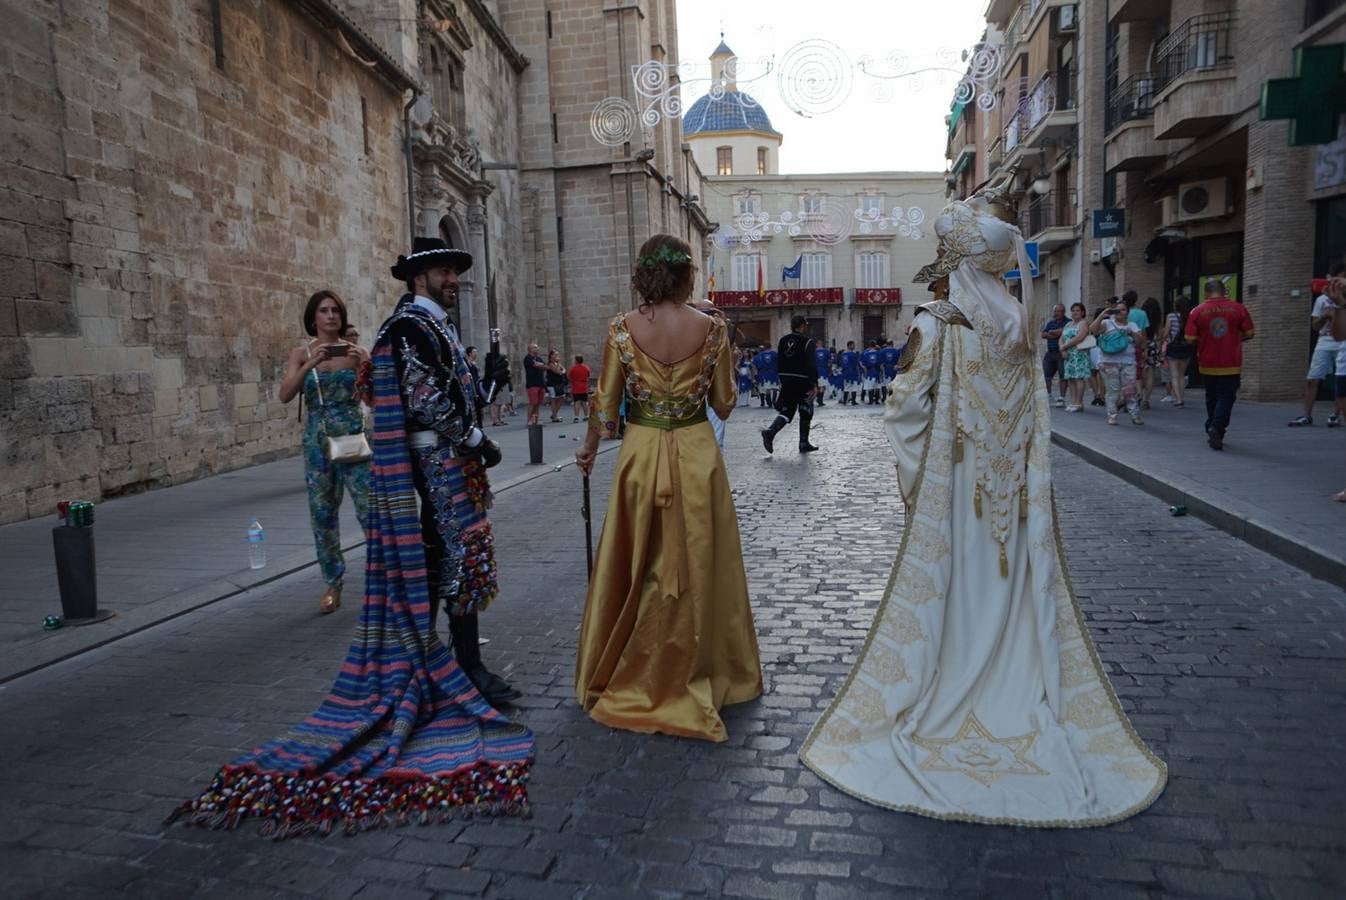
point(668, 636)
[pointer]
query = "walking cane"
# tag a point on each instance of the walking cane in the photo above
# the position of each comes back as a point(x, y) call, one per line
point(588, 530)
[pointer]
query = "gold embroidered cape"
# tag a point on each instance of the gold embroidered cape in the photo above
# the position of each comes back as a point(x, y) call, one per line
point(978, 695)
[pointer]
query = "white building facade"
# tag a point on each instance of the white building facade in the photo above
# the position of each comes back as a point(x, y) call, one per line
point(840, 249)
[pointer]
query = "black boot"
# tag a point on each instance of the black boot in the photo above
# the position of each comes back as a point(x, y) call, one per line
point(769, 433)
point(804, 423)
point(467, 648)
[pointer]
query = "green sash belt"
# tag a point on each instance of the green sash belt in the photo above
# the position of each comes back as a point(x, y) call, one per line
point(637, 416)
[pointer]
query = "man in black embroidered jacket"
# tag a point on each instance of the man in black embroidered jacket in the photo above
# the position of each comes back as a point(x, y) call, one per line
point(798, 382)
point(449, 453)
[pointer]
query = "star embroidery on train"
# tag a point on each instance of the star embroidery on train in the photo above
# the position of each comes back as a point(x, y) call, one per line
point(978, 754)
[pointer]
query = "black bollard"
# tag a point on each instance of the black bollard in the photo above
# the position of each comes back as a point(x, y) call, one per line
point(535, 444)
point(76, 573)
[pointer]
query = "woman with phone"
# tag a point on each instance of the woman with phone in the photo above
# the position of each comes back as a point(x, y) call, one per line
point(1117, 337)
point(334, 376)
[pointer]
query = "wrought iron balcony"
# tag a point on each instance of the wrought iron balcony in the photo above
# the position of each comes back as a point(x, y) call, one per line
point(1132, 99)
point(1052, 210)
point(1201, 44)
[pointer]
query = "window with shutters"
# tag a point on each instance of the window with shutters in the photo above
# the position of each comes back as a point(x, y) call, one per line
point(871, 205)
point(811, 204)
point(761, 160)
point(745, 271)
point(747, 204)
point(815, 270)
point(872, 269)
point(724, 160)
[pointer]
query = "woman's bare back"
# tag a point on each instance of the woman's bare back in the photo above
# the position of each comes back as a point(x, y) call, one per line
point(668, 333)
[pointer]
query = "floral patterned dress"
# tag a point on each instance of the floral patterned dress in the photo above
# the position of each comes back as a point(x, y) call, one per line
point(335, 413)
point(1077, 367)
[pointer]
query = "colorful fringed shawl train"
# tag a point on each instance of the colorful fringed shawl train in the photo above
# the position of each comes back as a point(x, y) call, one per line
point(403, 735)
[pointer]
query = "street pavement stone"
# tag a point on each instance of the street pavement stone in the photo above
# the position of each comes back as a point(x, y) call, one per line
point(1228, 660)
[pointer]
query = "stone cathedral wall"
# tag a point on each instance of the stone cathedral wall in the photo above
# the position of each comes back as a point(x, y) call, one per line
point(167, 205)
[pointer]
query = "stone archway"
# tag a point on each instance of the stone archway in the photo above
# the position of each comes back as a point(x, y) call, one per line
point(469, 301)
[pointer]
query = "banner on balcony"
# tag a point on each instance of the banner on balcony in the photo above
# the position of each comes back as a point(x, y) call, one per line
point(1109, 223)
point(878, 296)
point(828, 296)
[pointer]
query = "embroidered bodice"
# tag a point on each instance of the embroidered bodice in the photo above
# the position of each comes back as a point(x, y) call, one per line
point(657, 390)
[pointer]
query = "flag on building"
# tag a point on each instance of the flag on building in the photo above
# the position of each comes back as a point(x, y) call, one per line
point(791, 271)
point(761, 280)
point(710, 278)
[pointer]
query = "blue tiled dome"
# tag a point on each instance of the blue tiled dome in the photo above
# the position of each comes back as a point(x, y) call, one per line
point(735, 111)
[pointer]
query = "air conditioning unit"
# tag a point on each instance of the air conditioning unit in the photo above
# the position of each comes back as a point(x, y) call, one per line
point(1203, 199)
point(1168, 210)
point(1067, 17)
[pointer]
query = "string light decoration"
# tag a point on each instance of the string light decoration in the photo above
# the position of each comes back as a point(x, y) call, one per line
point(812, 78)
point(832, 223)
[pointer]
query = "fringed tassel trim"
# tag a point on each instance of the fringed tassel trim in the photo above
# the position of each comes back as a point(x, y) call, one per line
point(297, 805)
point(1004, 563)
point(976, 499)
point(958, 445)
point(1023, 503)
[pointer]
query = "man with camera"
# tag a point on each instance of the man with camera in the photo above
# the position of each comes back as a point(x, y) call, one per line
point(449, 454)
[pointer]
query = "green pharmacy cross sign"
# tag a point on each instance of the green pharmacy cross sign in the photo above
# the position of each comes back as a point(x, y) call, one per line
point(1313, 99)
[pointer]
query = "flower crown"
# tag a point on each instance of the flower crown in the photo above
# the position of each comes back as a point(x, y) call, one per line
point(664, 254)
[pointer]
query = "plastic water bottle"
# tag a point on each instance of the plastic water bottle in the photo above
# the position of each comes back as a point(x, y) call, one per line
point(256, 545)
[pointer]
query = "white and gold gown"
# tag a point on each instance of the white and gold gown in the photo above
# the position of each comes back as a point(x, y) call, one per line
point(978, 695)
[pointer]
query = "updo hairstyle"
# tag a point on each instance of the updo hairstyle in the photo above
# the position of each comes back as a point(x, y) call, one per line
point(663, 269)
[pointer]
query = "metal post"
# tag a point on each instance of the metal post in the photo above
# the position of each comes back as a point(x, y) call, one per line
point(535, 444)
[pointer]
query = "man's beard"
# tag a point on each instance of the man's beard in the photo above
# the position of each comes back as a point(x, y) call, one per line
point(445, 295)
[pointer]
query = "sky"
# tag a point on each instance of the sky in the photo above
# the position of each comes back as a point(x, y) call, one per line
point(855, 122)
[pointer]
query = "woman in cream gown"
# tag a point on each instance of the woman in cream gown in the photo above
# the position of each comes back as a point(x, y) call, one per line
point(978, 695)
point(667, 637)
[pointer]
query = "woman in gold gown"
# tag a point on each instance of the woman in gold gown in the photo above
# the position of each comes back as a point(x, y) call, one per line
point(668, 636)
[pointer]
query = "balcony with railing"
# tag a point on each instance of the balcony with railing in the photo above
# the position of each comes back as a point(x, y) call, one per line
point(1016, 42)
point(1129, 120)
point(1050, 219)
point(1048, 111)
point(994, 154)
point(1194, 77)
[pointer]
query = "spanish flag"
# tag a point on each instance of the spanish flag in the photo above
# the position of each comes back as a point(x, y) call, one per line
point(761, 280)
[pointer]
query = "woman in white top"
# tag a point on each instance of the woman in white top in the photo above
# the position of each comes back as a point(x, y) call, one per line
point(1117, 360)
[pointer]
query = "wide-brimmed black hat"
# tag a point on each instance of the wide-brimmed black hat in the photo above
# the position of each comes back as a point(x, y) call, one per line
point(430, 251)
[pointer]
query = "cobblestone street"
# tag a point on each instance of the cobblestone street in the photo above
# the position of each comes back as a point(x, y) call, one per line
point(1229, 661)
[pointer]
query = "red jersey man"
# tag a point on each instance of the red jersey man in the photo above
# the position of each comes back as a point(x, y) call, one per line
point(1218, 327)
point(579, 388)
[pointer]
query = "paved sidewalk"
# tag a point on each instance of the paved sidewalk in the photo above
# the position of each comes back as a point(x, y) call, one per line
point(1269, 486)
point(168, 551)
point(1232, 673)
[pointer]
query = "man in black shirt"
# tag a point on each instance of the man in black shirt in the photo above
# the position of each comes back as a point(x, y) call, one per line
point(798, 382)
point(534, 380)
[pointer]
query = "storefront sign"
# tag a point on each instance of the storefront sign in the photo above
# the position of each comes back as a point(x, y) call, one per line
point(1031, 247)
point(1109, 223)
